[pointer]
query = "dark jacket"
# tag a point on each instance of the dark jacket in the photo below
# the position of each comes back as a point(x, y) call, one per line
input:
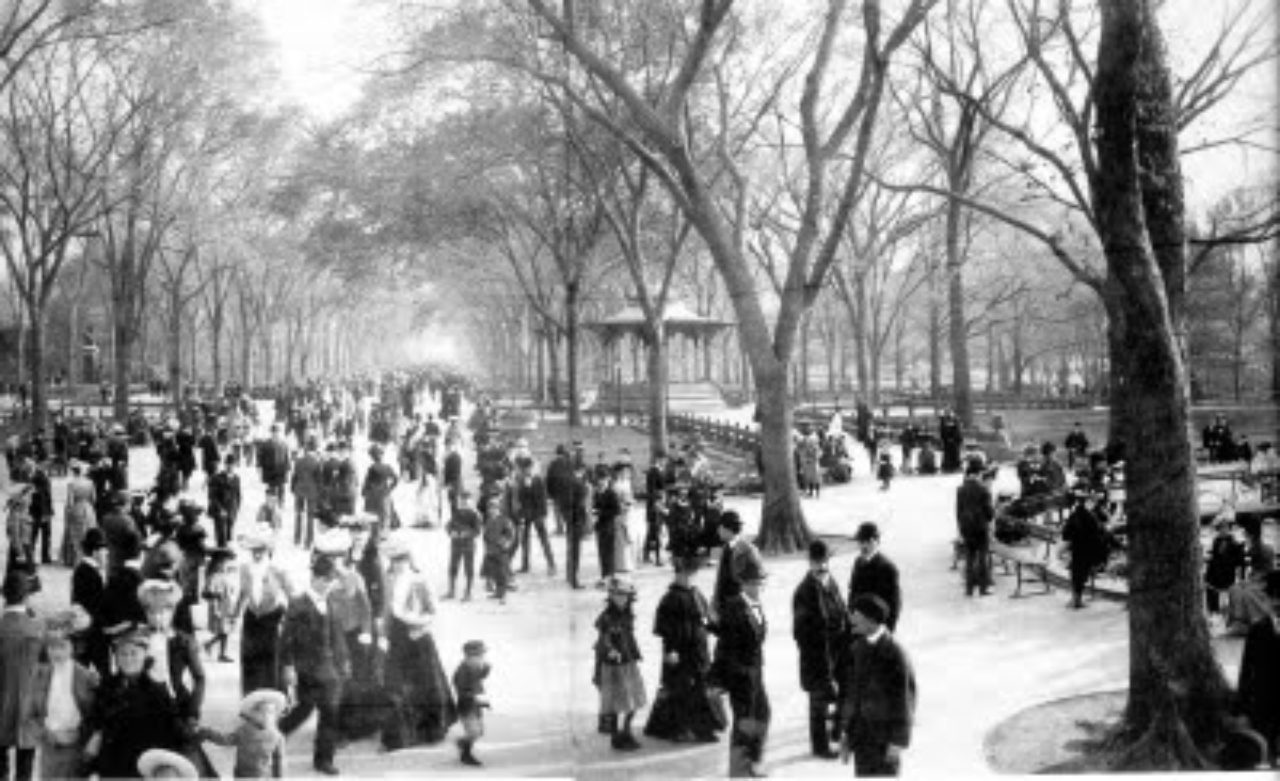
point(820, 627)
point(134, 715)
point(560, 481)
point(1259, 686)
point(974, 510)
point(877, 576)
point(307, 477)
point(312, 643)
point(878, 698)
point(88, 585)
point(120, 599)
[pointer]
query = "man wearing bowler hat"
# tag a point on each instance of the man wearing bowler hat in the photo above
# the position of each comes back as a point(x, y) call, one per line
point(737, 556)
point(820, 626)
point(738, 667)
point(874, 573)
point(878, 698)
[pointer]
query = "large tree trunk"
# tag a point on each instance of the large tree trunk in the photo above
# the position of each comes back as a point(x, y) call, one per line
point(782, 525)
point(123, 354)
point(39, 386)
point(656, 354)
point(553, 358)
point(1178, 696)
point(175, 351)
point(961, 394)
point(858, 308)
point(571, 338)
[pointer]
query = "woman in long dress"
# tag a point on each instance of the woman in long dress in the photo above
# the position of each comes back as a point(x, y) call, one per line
point(624, 549)
point(78, 517)
point(263, 600)
point(683, 710)
point(422, 698)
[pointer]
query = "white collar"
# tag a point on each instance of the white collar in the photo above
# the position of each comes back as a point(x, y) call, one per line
point(875, 636)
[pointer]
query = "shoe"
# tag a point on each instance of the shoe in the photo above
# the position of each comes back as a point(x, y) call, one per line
point(468, 759)
point(986, 592)
point(327, 769)
point(551, 570)
point(828, 754)
point(466, 597)
point(448, 596)
point(225, 659)
point(522, 571)
point(706, 737)
point(577, 587)
point(502, 600)
point(512, 587)
point(620, 743)
point(756, 770)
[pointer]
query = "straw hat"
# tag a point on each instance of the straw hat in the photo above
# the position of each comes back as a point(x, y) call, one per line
point(257, 698)
point(159, 593)
point(396, 546)
point(334, 542)
point(156, 760)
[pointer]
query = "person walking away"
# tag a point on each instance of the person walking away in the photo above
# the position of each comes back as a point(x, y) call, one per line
point(738, 668)
point(78, 516)
point(1085, 536)
point(879, 694)
point(21, 642)
point(464, 528)
point(468, 684)
point(273, 463)
point(608, 507)
point(305, 486)
point(617, 668)
point(655, 485)
point(453, 474)
point(820, 627)
point(224, 498)
point(874, 573)
point(41, 509)
point(578, 521)
point(379, 482)
point(975, 511)
point(559, 484)
point(88, 586)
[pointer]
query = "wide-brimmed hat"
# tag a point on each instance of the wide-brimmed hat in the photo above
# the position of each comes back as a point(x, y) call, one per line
point(396, 546)
point(333, 542)
point(154, 760)
point(255, 699)
point(62, 624)
point(619, 585)
point(127, 633)
point(256, 539)
point(159, 593)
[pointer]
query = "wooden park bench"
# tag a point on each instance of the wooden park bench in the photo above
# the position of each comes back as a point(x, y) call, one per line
point(1030, 562)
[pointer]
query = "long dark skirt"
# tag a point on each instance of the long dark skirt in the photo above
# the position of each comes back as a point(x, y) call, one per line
point(682, 709)
point(364, 706)
point(260, 651)
point(421, 699)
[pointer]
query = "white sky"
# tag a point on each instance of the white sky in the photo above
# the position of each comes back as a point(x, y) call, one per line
point(324, 43)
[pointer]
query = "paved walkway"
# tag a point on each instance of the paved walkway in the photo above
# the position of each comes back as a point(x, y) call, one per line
point(978, 660)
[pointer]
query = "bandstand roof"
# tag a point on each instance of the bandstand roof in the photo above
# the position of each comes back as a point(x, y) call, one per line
point(677, 319)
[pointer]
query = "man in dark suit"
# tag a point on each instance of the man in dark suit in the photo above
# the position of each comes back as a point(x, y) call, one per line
point(225, 497)
point(559, 482)
point(88, 587)
point(975, 511)
point(878, 698)
point(1259, 685)
point(120, 604)
point(874, 573)
point(738, 555)
point(579, 519)
point(313, 655)
point(305, 485)
point(738, 667)
point(273, 461)
point(820, 627)
point(531, 499)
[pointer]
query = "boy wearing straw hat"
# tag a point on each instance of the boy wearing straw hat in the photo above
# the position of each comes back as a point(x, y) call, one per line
point(159, 763)
point(258, 741)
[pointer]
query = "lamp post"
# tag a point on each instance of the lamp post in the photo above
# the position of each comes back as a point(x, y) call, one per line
point(617, 386)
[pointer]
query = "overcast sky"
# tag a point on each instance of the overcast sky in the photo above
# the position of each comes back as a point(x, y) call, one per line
point(324, 43)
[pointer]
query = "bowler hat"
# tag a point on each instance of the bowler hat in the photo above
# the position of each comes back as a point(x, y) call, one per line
point(818, 551)
point(619, 585)
point(867, 531)
point(732, 521)
point(93, 540)
point(474, 648)
point(871, 607)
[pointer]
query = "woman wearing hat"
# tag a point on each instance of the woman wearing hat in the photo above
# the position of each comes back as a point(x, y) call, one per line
point(174, 655)
point(379, 483)
point(617, 670)
point(78, 517)
point(133, 712)
point(18, 524)
point(415, 677)
point(64, 694)
point(683, 710)
point(263, 599)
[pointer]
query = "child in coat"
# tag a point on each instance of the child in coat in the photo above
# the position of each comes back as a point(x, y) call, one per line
point(258, 741)
point(468, 682)
point(617, 669)
point(499, 540)
point(220, 595)
point(885, 471)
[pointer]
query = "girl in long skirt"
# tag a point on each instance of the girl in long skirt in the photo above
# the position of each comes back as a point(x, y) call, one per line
point(422, 695)
point(617, 671)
